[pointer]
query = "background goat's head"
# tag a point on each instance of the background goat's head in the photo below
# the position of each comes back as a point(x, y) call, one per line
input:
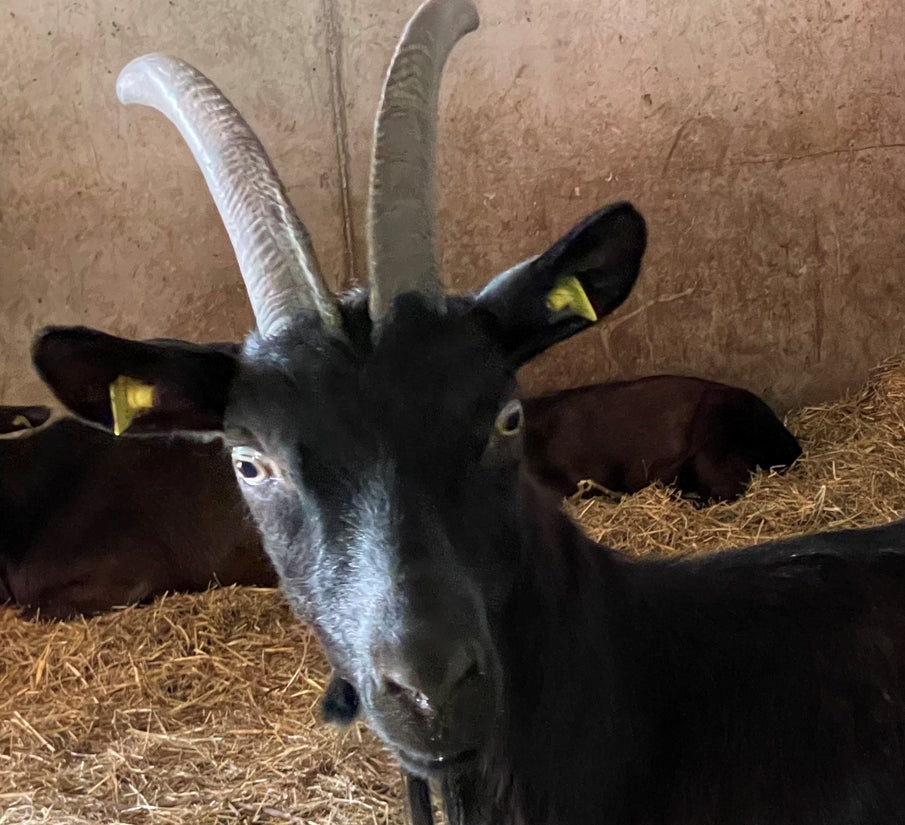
point(376, 437)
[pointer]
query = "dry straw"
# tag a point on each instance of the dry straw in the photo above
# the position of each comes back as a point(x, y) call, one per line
point(203, 709)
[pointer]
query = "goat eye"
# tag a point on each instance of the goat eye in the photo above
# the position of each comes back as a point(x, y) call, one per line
point(251, 466)
point(509, 421)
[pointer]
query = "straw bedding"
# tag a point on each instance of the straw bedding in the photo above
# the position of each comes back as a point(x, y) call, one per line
point(203, 709)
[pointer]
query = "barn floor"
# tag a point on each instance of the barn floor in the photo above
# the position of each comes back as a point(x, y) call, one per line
point(204, 709)
point(194, 709)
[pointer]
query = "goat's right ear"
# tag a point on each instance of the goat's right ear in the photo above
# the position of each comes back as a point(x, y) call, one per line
point(144, 387)
point(584, 276)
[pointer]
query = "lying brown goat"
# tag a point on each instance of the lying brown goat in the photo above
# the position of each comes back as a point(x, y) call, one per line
point(705, 438)
point(89, 521)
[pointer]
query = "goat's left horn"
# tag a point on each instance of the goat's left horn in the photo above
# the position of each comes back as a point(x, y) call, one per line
point(272, 245)
point(401, 209)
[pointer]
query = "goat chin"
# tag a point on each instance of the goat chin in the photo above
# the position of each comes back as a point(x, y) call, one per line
point(441, 768)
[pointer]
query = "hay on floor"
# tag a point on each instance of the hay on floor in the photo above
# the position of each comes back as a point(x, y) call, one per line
point(196, 709)
point(203, 709)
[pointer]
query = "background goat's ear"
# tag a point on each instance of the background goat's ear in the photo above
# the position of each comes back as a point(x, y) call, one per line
point(584, 276)
point(161, 386)
point(14, 419)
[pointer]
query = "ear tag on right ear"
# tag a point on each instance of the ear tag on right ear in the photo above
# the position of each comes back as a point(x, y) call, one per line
point(129, 397)
point(569, 293)
point(21, 422)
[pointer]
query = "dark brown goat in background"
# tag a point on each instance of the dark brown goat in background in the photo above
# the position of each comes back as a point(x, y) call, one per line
point(703, 437)
point(90, 521)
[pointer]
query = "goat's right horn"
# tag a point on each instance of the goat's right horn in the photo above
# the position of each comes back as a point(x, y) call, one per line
point(401, 209)
point(273, 247)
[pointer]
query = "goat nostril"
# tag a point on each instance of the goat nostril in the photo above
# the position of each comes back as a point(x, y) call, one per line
point(421, 702)
point(471, 674)
point(393, 688)
point(464, 671)
point(415, 697)
point(429, 680)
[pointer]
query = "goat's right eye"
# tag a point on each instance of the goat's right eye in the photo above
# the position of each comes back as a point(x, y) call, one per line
point(251, 466)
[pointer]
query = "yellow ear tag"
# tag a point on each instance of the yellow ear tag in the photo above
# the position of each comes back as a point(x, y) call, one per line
point(22, 422)
point(569, 292)
point(129, 397)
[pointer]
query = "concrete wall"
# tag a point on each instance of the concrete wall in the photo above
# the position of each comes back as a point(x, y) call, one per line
point(764, 141)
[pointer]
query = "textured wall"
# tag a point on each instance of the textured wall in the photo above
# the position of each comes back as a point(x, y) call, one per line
point(765, 143)
point(105, 218)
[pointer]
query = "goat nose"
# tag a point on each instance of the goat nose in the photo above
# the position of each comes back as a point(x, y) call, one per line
point(429, 676)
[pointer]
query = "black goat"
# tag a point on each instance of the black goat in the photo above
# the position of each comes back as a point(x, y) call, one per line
point(541, 678)
point(703, 437)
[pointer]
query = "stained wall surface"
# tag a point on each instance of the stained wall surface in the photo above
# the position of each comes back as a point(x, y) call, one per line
point(764, 142)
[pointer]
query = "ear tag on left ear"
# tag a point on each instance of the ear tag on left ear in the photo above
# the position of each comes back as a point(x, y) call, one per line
point(129, 397)
point(569, 293)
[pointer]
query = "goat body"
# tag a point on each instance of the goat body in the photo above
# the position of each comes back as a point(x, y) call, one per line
point(91, 521)
point(758, 685)
point(703, 437)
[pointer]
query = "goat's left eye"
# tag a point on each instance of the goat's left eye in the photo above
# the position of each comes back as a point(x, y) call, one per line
point(509, 421)
point(251, 466)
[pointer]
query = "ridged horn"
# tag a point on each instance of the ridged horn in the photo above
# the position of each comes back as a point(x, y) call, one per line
point(401, 207)
point(272, 245)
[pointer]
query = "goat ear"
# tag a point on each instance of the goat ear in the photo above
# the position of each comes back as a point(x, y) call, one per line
point(585, 275)
point(150, 386)
point(13, 419)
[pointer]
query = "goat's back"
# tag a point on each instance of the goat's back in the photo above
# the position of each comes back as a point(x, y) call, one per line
point(759, 685)
point(778, 673)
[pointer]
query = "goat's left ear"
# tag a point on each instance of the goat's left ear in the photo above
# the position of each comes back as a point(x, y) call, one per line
point(584, 276)
point(139, 386)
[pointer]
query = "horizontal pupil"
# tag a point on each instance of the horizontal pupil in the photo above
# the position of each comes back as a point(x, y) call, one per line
point(247, 469)
point(512, 422)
